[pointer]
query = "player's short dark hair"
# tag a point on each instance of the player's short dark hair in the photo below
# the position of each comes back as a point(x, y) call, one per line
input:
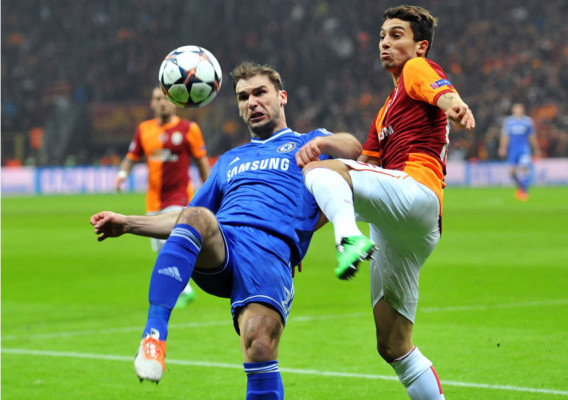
point(421, 22)
point(248, 69)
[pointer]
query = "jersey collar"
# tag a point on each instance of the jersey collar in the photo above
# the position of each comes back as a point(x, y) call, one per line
point(275, 135)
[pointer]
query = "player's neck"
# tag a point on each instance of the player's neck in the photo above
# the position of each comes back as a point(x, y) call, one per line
point(165, 119)
point(395, 79)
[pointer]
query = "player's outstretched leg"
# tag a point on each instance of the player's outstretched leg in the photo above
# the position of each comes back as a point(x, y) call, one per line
point(335, 198)
point(350, 252)
point(170, 276)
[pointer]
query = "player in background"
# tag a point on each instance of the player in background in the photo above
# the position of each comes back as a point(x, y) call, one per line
point(518, 143)
point(168, 144)
point(396, 186)
point(240, 236)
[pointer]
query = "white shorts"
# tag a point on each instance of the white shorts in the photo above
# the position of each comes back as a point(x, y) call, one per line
point(157, 244)
point(404, 219)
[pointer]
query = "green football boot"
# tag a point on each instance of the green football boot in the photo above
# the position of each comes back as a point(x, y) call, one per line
point(350, 252)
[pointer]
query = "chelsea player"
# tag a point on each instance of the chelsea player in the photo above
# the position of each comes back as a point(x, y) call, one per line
point(518, 137)
point(241, 234)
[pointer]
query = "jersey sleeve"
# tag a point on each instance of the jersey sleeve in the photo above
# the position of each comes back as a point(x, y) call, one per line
point(209, 195)
point(135, 150)
point(195, 141)
point(425, 81)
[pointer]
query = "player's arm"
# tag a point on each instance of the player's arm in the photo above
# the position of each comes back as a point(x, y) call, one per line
point(456, 110)
point(203, 167)
point(109, 224)
point(125, 168)
point(339, 145)
point(503, 145)
point(535, 147)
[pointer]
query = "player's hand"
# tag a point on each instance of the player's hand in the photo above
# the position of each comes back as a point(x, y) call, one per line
point(108, 224)
point(118, 183)
point(462, 116)
point(311, 151)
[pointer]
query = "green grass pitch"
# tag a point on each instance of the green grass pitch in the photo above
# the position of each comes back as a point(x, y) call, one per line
point(493, 310)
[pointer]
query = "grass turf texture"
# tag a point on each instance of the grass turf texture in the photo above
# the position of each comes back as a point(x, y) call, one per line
point(492, 313)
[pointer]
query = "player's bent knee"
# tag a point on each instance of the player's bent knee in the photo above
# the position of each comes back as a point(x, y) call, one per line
point(198, 217)
point(261, 337)
point(334, 165)
point(260, 348)
point(312, 165)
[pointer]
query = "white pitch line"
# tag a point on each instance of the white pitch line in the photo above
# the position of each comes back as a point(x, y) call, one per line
point(334, 374)
point(474, 307)
point(305, 318)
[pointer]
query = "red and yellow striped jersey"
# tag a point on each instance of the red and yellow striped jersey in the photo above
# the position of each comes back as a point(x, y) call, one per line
point(168, 150)
point(410, 133)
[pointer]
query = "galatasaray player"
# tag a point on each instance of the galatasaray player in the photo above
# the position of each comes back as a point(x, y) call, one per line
point(168, 143)
point(396, 186)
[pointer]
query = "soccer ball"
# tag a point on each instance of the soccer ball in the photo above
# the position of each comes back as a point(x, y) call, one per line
point(190, 76)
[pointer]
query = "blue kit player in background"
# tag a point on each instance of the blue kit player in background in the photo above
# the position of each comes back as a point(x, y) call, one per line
point(241, 234)
point(518, 143)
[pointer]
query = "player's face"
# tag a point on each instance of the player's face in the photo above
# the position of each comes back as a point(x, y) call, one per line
point(397, 45)
point(162, 107)
point(261, 106)
point(518, 110)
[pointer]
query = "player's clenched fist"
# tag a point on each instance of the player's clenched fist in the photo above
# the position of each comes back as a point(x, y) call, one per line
point(108, 224)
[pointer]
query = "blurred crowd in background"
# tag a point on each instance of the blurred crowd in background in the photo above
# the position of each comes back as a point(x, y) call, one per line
point(77, 74)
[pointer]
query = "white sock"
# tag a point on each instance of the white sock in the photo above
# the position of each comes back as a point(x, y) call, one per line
point(418, 376)
point(335, 199)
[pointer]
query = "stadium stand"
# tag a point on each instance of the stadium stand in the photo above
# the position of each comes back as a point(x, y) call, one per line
point(65, 64)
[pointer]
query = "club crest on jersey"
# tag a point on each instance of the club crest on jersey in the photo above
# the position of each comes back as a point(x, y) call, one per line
point(286, 147)
point(177, 138)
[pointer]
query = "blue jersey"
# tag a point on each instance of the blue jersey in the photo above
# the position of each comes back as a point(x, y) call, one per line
point(518, 130)
point(259, 185)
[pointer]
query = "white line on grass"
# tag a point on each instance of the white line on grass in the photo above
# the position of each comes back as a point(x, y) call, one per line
point(473, 307)
point(305, 318)
point(111, 330)
point(42, 353)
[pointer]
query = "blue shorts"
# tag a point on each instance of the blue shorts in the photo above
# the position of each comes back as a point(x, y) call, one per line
point(519, 157)
point(256, 270)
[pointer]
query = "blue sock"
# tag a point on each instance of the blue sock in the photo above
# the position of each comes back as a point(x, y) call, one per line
point(264, 381)
point(524, 180)
point(171, 274)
